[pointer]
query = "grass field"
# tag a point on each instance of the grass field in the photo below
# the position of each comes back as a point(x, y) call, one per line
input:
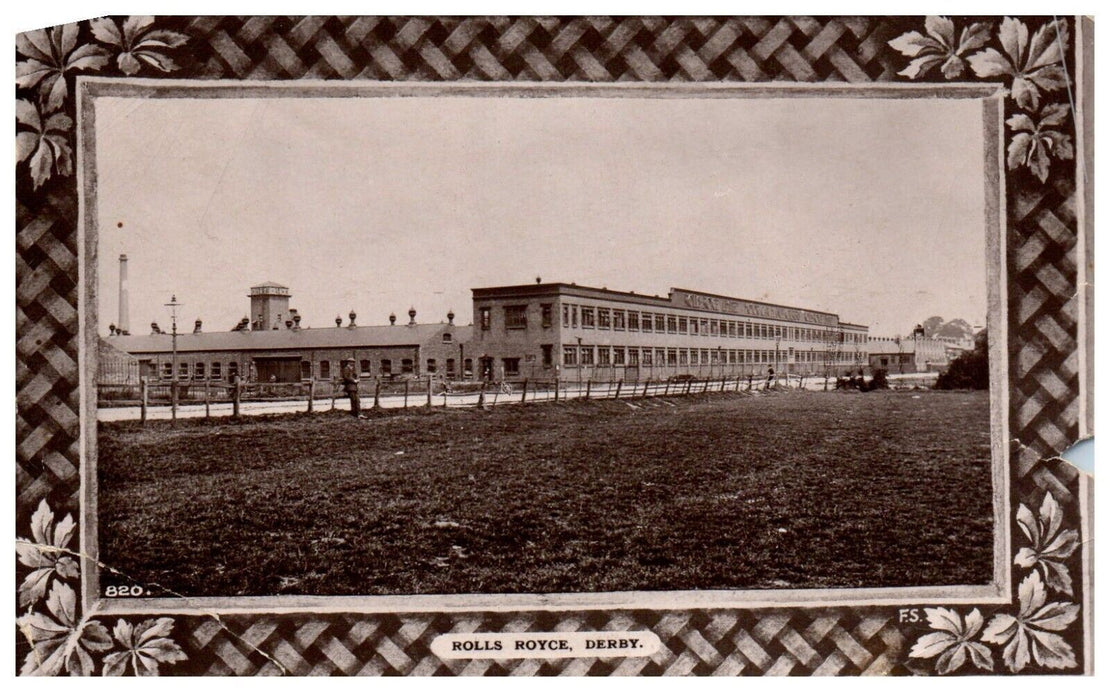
point(793, 489)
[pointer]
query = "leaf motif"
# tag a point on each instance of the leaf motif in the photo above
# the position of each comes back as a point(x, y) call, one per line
point(1049, 43)
point(53, 88)
point(105, 30)
point(34, 44)
point(159, 60)
point(28, 115)
point(89, 57)
point(64, 530)
point(942, 29)
point(152, 629)
point(1027, 522)
point(953, 67)
point(33, 588)
point(30, 72)
point(162, 38)
point(1064, 151)
point(1052, 115)
point(974, 623)
point(1014, 36)
point(115, 664)
point(1049, 78)
point(42, 161)
point(42, 521)
point(128, 63)
point(1000, 629)
point(952, 659)
point(930, 645)
point(133, 26)
point(1025, 93)
point(123, 633)
point(918, 66)
point(29, 553)
point(25, 145)
point(67, 39)
point(974, 37)
point(67, 568)
point(980, 656)
point(911, 44)
point(1050, 650)
point(1055, 616)
point(988, 63)
point(62, 604)
point(945, 620)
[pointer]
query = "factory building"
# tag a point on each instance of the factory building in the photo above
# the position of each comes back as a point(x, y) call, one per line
point(271, 345)
point(544, 331)
point(912, 353)
point(577, 333)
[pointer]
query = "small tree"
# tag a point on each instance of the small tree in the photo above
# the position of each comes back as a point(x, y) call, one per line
point(971, 370)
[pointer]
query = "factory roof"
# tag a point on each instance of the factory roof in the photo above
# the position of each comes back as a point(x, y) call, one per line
point(300, 339)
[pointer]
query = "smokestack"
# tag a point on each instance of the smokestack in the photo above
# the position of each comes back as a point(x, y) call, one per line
point(124, 324)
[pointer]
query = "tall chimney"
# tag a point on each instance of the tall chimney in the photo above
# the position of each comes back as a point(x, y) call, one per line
point(124, 321)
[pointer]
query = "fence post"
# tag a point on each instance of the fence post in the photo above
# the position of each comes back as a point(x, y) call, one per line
point(524, 393)
point(311, 392)
point(589, 383)
point(236, 386)
point(406, 404)
point(377, 392)
point(722, 383)
point(556, 389)
point(429, 392)
point(207, 408)
point(142, 395)
point(646, 384)
point(482, 396)
point(618, 394)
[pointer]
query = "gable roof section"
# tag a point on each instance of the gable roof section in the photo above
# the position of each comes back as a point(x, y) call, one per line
point(346, 337)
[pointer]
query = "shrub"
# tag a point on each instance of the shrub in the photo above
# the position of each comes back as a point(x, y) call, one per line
point(878, 380)
point(971, 370)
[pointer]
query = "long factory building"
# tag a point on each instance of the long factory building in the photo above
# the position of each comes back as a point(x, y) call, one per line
point(542, 330)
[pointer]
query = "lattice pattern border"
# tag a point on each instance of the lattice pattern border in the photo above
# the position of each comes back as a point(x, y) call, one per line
point(1043, 320)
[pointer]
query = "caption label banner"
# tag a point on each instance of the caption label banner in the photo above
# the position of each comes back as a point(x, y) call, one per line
point(547, 645)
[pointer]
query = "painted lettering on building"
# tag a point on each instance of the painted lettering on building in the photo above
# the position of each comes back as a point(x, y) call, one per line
point(754, 309)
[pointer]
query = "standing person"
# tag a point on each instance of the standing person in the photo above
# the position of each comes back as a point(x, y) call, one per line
point(770, 375)
point(349, 376)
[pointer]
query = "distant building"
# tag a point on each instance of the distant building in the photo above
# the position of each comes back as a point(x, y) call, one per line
point(907, 355)
point(273, 346)
point(575, 332)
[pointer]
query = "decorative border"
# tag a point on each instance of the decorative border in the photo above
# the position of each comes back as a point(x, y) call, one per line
point(1044, 633)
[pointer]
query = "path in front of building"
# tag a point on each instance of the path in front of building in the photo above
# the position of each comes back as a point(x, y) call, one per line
point(597, 391)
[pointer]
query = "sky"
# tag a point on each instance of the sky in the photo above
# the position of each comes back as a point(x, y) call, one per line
point(871, 209)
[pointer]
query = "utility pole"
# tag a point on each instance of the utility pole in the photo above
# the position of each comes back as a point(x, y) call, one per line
point(173, 358)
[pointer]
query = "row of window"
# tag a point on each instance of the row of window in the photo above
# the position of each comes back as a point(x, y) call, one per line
point(575, 316)
point(214, 370)
point(604, 355)
point(516, 316)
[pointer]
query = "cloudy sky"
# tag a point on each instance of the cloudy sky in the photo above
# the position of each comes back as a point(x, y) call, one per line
point(872, 209)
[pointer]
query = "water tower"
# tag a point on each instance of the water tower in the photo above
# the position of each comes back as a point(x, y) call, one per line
point(269, 306)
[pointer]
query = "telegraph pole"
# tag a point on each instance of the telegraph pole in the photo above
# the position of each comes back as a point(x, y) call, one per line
point(173, 304)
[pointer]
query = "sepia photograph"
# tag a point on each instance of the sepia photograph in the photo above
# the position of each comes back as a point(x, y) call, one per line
point(554, 345)
point(540, 342)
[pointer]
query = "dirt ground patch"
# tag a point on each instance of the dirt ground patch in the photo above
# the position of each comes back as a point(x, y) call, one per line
point(787, 490)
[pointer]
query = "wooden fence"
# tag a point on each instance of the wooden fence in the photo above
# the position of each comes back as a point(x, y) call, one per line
point(313, 395)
